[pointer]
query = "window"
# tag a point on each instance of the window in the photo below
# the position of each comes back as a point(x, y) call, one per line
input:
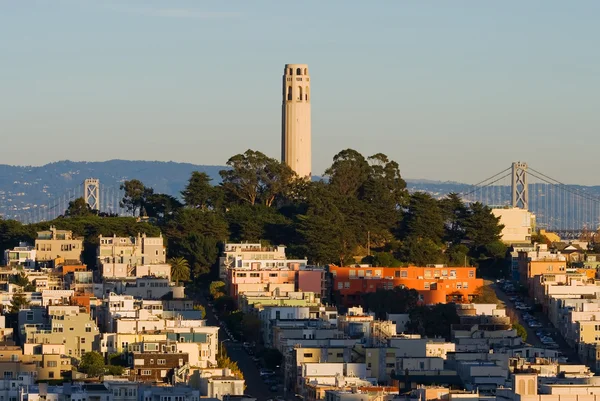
point(254, 274)
point(471, 273)
point(289, 94)
point(426, 285)
point(299, 71)
point(8, 375)
point(51, 364)
point(83, 340)
point(340, 354)
point(308, 355)
point(146, 372)
point(404, 273)
point(88, 329)
point(340, 285)
point(161, 362)
point(465, 285)
point(272, 274)
point(29, 316)
point(347, 284)
point(397, 273)
point(51, 375)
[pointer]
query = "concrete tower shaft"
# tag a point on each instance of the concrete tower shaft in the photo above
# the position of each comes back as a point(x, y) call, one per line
point(295, 124)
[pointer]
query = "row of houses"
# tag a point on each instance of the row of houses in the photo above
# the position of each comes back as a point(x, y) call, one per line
point(127, 310)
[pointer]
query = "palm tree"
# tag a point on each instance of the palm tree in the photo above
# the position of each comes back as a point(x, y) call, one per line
point(180, 269)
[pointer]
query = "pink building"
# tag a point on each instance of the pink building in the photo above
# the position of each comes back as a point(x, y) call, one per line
point(297, 278)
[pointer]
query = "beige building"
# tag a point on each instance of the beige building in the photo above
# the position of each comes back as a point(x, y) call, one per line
point(47, 361)
point(68, 325)
point(518, 224)
point(295, 127)
point(53, 244)
point(131, 257)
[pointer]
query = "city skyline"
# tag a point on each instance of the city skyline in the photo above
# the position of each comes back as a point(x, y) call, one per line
point(438, 89)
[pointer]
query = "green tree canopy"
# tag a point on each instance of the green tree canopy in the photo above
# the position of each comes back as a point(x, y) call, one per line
point(200, 194)
point(18, 302)
point(217, 289)
point(521, 331)
point(135, 196)
point(79, 208)
point(92, 364)
point(255, 178)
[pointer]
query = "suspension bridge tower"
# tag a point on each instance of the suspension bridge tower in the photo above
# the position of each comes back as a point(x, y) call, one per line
point(91, 190)
point(520, 190)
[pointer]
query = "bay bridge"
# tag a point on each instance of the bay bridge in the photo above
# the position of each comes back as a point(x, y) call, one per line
point(567, 209)
point(104, 199)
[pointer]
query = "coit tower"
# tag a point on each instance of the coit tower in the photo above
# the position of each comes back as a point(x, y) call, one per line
point(295, 121)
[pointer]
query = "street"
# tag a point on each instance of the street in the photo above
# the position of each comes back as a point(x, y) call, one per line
point(255, 386)
point(532, 337)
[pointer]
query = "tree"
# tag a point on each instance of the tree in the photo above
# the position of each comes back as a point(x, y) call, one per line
point(521, 331)
point(398, 300)
point(79, 208)
point(423, 219)
point(114, 370)
point(135, 195)
point(180, 269)
point(22, 281)
point(251, 327)
point(348, 172)
point(92, 364)
point(225, 304)
point(161, 206)
point(485, 295)
point(254, 177)
point(421, 251)
point(457, 255)
point(202, 309)
point(199, 193)
point(481, 228)
point(453, 211)
point(432, 321)
point(18, 302)
point(217, 289)
point(223, 361)
point(325, 234)
point(272, 358)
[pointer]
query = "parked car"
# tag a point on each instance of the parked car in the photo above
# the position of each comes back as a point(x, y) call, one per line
point(266, 372)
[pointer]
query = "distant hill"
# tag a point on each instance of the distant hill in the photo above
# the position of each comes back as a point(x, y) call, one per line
point(24, 187)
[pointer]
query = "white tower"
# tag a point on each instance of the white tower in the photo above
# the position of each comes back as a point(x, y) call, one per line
point(295, 121)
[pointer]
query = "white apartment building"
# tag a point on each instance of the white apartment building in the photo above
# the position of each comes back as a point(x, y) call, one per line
point(255, 255)
point(22, 255)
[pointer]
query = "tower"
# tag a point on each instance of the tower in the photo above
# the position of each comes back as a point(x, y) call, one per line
point(520, 189)
point(91, 190)
point(295, 119)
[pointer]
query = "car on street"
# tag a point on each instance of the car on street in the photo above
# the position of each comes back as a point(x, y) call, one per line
point(266, 372)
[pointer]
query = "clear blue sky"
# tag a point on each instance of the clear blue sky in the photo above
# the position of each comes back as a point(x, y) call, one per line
point(452, 90)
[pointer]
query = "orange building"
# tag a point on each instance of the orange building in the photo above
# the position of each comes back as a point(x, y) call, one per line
point(435, 283)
